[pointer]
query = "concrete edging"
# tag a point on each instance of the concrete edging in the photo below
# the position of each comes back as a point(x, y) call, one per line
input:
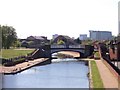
point(26, 67)
point(90, 76)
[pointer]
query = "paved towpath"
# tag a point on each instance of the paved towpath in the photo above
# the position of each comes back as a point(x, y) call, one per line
point(21, 66)
point(109, 80)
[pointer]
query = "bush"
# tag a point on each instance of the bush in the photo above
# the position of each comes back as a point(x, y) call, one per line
point(96, 55)
point(14, 62)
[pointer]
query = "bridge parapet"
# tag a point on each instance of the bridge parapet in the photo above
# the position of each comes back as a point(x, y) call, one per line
point(70, 46)
point(76, 46)
point(58, 46)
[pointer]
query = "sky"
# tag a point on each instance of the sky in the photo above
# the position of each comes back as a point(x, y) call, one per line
point(63, 17)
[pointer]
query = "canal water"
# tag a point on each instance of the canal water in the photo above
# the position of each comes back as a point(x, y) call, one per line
point(62, 73)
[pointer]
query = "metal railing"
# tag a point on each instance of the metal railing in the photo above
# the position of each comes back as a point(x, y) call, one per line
point(58, 46)
point(70, 46)
point(76, 46)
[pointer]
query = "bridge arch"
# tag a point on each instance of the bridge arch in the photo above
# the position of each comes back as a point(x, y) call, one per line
point(81, 53)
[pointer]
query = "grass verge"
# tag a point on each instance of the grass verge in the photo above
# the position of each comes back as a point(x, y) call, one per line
point(10, 53)
point(97, 81)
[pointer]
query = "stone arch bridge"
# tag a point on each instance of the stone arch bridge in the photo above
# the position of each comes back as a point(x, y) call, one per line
point(46, 51)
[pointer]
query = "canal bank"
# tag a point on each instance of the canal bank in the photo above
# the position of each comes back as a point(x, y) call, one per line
point(30, 63)
point(22, 66)
point(108, 78)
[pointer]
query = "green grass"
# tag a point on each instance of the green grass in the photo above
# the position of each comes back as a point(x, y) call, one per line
point(10, 53)
point(97, 81)
point(97, 54)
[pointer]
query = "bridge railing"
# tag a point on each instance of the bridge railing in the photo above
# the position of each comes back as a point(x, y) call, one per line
point(70, 46)
point(76, 46)
point(58, 46)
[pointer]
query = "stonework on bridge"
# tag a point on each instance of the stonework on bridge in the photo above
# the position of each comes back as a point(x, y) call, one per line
point(47, 50)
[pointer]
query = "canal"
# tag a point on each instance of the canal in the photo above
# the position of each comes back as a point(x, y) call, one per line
point(62, 73)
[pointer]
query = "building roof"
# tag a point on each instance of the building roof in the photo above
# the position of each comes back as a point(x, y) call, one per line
point(36, 37)
point(66, 38)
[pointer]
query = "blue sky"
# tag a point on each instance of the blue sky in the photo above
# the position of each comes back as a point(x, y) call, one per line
point(67, 17)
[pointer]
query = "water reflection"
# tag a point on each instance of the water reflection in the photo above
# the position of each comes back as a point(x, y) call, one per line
point(62, 73)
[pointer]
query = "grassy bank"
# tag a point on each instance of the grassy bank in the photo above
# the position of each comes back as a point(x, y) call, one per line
point(97, 81)
point(10, 53)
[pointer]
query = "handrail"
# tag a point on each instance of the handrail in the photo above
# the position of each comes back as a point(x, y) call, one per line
point(70, 46)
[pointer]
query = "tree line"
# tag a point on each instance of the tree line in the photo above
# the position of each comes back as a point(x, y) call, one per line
point(8, 37)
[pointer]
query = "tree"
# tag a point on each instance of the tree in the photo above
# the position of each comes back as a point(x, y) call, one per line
point(51, 41)
point(17, 44)
point(78, 41)
point(0, 38)
point(9, 36)
point(60, 42)
point(87, 42)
